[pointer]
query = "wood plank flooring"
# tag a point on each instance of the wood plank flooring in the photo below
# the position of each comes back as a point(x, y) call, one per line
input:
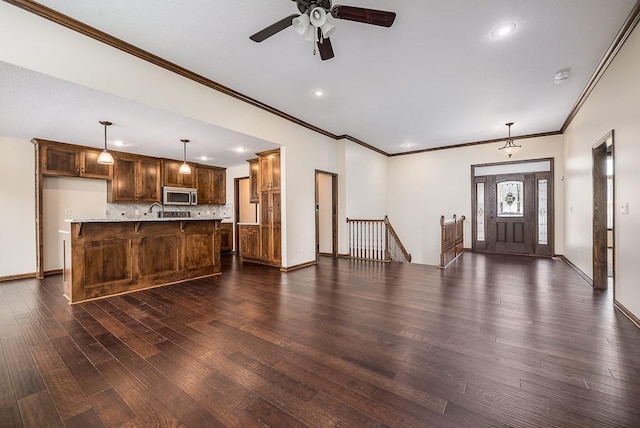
point(490, 341)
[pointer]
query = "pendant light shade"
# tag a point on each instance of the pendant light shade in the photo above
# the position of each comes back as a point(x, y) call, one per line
point(105, 157)
point(510, 148)
point(185, 168)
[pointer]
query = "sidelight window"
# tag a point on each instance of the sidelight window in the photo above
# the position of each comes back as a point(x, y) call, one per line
point(479, 211)
point(542, 212)
point(510, 199)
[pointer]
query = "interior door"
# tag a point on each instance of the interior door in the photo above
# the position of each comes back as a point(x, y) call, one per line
point(511, 213)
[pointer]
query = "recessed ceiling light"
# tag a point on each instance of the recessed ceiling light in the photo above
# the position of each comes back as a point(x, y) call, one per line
point(562, 76)
point(408, 145)
point(241, 149)
point(119, 143)
point(204, 158)
point(318, 93)
point(503, 30)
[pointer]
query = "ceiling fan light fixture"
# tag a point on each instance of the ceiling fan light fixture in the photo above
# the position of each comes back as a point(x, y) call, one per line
point(327, 30)
point(301, 24)
point(105, 157)
point(317, 17)
point(510, 148)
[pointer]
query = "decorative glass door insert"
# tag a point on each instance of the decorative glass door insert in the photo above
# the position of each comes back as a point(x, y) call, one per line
point(510, 199)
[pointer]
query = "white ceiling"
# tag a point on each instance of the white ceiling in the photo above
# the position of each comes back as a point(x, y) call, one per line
point(435, 78)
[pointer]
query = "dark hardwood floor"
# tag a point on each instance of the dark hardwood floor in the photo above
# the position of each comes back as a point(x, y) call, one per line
point(490, 341)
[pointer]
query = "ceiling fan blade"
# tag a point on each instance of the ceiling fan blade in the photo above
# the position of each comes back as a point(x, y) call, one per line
point(272, 29)
point(367, 16)
point(325, 49)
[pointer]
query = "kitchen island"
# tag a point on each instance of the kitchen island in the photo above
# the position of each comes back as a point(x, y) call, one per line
point(115, 256)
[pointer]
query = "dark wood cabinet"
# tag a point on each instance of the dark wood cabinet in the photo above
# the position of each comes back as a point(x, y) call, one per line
point(249, 241)
point(59, 159)
point(116, 257)
point(211, 184)
point(90, 168)
point(254, 178)
point(135, 179)
point(172, 177)
point(269, 170)
point(270, 227)
point(226, 237)
point(270, 208)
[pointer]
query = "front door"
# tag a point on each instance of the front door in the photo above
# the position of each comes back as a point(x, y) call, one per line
point(513, 213)
point(510, 211)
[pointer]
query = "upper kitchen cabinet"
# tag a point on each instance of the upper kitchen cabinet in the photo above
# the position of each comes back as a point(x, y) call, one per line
point(254, 174)
point(211, 184)
point(172, 177)
point(58, 159)
point(90, 168)
point(269, 170)
point(135, 179)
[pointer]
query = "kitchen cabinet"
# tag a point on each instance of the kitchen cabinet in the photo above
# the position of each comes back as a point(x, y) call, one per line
point(226, 237)
point(211, 184)
point(270, 227)
point(117, 257)
point(171, 175)
point(269, 170)
point(270, 208)
point(249, 241)
point(135, 179)
point(254, 178)
point(59, 159)
point(90, 168)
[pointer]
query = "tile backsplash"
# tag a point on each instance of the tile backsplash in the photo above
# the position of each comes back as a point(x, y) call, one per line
point(139, 210)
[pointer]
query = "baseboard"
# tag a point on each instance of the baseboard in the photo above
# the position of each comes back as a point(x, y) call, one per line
point(52, 272)
point(577, 269)
point(19, 276)
point(344, 256)
point(627, 313)
point(300, 266)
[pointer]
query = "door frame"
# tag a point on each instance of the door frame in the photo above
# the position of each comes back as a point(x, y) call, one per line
point(334, 213)
point(600, 230)
point(550, 203)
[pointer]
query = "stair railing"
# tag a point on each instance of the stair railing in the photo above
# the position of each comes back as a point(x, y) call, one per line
point(375, 240)
point(452, 239)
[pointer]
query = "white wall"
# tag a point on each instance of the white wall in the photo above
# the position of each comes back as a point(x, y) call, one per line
point(613, 104)
point(17, 211)
point(362, 187)
point(422, 187)
point(65, 198)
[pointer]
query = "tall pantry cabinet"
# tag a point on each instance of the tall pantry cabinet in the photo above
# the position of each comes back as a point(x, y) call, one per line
point(270, 207)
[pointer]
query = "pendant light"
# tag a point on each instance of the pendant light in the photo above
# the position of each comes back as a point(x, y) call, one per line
point(510, 148)
point(185, 168)
point(105, 157)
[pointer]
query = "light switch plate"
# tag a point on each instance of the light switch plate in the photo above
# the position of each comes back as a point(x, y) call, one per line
point(625, 208)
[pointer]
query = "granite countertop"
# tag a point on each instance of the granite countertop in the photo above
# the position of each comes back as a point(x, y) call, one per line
point(248, 224)
point(137, 219)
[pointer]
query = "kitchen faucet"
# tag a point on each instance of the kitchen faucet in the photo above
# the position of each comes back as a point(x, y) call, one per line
point(150, 210)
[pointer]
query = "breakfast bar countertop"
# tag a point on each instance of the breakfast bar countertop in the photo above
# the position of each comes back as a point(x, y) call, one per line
point(145, 218)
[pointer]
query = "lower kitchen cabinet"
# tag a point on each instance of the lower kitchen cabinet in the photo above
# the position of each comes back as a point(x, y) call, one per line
point(226, 237)
point(249, 241)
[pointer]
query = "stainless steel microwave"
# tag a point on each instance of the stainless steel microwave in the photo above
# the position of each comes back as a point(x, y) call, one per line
point(179, 196)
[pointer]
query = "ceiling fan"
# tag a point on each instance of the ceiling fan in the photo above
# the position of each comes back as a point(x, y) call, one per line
point(313, 25)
